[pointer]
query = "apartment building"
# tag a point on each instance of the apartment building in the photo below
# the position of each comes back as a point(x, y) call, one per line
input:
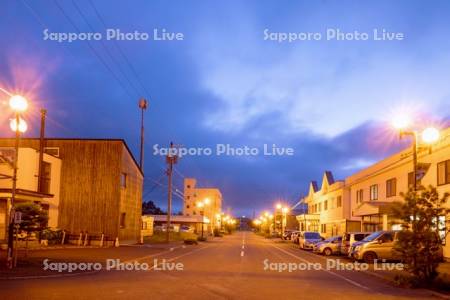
point(210, 200)
point(28, 189)
point(373, 189)
point(329, 209)
point(100, 185)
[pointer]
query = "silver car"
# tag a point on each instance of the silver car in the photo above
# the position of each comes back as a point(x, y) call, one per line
point(307, 239)
point(329, 246)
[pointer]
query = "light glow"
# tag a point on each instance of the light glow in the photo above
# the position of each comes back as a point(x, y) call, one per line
point(22, 125)
point(430, 135)
point(18, 103)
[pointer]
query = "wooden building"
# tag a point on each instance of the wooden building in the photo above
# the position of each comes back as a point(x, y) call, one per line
point(101, 185)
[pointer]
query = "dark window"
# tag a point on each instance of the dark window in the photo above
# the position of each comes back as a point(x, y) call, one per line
point(443, 172)
point(391, 187)
point(320, 207)
point(122, 220)
point(374, 192)
point(323, 228)
point(325, 205)
point(188, 186)
point(46, 176)
point(339, 201)
point(187, 206)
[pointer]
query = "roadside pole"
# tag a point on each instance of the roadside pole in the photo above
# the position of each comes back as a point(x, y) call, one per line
point(171, 159)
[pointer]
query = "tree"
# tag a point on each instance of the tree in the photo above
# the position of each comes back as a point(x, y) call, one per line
point(34, 218)
point(149, 208)
point(419, 242)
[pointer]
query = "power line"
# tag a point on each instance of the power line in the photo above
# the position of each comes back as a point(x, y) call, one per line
point(107, 50)
point(92, 48)
point(130, 65)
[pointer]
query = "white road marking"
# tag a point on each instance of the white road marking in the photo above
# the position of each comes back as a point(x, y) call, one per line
point(243, 246)
point(242, 253)
point(327, 271)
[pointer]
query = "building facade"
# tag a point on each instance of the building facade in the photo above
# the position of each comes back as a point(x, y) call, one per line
point(328, 208)
point(27, 188)
point(211, 197)
point(100, 186)
point(373, 189)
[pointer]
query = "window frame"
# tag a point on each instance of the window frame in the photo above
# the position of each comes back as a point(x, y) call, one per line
point(391, 187)
point(374, 192)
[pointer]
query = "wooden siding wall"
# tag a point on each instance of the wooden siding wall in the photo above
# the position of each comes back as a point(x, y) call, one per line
point(131, 199)
point(91, 198)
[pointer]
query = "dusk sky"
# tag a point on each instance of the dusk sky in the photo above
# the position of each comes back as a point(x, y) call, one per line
point(224, 83)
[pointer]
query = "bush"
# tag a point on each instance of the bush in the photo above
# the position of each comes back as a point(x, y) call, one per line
point(54, 236)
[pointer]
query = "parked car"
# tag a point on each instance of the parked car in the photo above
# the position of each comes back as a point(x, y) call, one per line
point(294, 236)
point(329, 246)
point(286, 235)
point(307, 239)
point(349, 238)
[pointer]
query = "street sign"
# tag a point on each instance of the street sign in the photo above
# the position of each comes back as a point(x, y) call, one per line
point(17, 217)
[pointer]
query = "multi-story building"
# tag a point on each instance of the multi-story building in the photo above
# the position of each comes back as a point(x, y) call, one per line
point(366, 196)
point(211, 199)
point(328, 208)
point(100, 185)
point(373, 189)
point(28, 188)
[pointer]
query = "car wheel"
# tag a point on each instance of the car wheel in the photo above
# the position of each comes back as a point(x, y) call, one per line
point(327, 252)
point(369, 257)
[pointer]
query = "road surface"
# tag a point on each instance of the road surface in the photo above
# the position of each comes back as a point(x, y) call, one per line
point(229, 268)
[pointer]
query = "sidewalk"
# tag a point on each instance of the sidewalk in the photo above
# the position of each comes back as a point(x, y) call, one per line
point(33, 265)
point(391, 276)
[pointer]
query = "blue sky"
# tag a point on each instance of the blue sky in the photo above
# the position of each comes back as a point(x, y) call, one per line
point(329, 100)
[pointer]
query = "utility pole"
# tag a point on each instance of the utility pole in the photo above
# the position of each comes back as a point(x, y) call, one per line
point(171, 159)
point(41, 150)
point(143, 105)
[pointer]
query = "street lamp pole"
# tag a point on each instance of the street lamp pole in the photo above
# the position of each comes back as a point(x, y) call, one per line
point(18, 104)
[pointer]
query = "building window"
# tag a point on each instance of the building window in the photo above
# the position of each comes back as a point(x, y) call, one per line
point(339, 201)
point(391, 187)
point(46, 176)
point(320, 207)
point(323, 228)
point(325, 205)
point(188, 186)
point(144, 225)
point(194, 213)
point(187, 206)
point(123, 180)
point(443, 172)
point(359, 196)
point(122, 220)
point(374, 192)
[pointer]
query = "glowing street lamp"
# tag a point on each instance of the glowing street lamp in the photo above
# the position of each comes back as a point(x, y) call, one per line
point(429, 136)
point(22, 125)
point(18, 105)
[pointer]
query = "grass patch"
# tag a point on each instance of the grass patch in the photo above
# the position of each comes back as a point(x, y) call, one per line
point(160, 237)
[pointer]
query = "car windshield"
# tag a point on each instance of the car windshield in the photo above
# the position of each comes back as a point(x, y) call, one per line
point(312, 235)
point(372, 237)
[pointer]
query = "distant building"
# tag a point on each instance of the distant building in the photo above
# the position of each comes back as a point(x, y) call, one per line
point(27, 184)
point(100, 185)
point(193, 195)
point(328, 208)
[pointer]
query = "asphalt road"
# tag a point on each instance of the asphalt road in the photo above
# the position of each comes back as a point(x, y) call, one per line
point(229, 268)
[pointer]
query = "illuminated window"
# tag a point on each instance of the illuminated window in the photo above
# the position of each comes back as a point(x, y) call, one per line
point(443, 172)
point(374, 192)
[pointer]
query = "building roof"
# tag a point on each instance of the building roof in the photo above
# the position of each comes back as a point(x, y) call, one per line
point(89, 139)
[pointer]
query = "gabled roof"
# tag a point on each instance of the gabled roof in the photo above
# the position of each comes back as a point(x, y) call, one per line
point(327, 180)
point(313, 188)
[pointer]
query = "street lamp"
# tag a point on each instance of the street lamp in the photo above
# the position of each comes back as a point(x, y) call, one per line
point(429, 136)
point(202, 205)
point(18, 105)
